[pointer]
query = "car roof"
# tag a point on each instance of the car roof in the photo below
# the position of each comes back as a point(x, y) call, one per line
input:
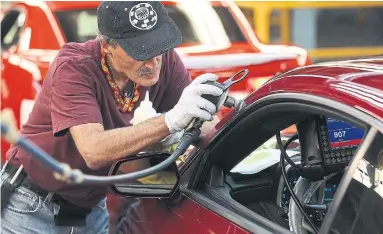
point(357, 83)
point(366, 71)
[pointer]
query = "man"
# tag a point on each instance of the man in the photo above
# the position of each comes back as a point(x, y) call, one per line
point(82, 114)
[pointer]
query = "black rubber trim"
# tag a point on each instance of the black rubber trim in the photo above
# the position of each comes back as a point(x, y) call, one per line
point(298, 98)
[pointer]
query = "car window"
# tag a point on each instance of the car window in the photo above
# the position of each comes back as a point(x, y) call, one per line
point(361, 209)
point(11, 26)
point(81, 25)
point(265, 156)
point(78, 25)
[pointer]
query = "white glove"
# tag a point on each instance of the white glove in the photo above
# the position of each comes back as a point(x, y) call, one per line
point(191, 105)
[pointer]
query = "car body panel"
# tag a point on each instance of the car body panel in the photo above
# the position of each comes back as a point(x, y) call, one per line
point(188, 216)
point(351, 83)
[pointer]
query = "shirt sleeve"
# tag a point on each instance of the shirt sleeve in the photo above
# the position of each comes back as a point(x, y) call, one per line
point(178, 79)
point(74, 99)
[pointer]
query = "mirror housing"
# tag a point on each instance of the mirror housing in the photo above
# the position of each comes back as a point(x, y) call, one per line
point(161, 184)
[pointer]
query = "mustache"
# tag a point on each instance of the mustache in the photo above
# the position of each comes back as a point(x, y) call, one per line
point(147, 71)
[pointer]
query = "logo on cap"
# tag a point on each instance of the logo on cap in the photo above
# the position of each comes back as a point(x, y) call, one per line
point(142, 16)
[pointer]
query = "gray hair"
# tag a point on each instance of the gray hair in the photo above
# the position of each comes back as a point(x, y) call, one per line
point(108, 40)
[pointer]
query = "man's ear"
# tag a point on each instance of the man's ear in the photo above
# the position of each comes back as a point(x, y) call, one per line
point(106, 51)
point(105, 47)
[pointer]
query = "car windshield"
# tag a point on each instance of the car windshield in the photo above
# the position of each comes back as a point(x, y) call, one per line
point(201, 24)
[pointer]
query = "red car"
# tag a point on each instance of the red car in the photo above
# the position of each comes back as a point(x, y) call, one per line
point(236, 181)
point(216, 38)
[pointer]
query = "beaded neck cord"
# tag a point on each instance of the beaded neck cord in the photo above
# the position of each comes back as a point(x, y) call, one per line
point(125, 103)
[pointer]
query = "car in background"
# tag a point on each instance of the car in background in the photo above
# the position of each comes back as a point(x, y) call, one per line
point(216, 38)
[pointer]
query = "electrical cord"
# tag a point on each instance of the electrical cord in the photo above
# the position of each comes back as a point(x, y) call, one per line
point(284, 175)
point(63, 172)
point(288, 142)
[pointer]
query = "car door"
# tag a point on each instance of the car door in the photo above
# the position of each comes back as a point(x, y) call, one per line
point(183, 213)
point(214, 181)
point(190, 211)
point(15, 84)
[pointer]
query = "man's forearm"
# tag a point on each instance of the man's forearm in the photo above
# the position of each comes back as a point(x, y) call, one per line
point(108, 146)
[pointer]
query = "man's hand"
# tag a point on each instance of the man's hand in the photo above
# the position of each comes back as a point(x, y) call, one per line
point(191, 105)
point(207, 127)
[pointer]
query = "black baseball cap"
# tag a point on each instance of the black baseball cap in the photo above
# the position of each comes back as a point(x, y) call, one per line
point(143, 29)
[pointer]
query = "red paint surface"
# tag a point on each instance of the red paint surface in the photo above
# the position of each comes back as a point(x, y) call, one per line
point(343, 82)
point(187, 217)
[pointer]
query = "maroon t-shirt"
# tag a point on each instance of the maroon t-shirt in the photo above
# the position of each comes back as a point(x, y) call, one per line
point(75, 92)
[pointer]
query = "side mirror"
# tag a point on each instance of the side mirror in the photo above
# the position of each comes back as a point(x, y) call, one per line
point(160, 184)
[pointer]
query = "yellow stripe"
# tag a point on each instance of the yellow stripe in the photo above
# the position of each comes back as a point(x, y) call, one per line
point(346, 52)
point(285, 26)
point(262, 23)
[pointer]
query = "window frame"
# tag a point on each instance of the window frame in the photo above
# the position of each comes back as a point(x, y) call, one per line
point(17, 37)
point(306, 103)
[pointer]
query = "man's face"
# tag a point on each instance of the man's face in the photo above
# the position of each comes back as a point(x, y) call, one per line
point(144, 73)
